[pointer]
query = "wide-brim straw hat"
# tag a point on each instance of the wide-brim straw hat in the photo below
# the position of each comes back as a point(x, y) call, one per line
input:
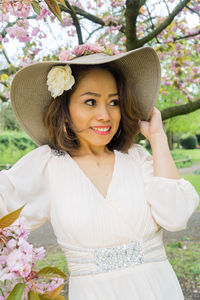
point(30, 95)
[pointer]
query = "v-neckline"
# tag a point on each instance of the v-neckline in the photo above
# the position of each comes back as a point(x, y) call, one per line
point(90, 181)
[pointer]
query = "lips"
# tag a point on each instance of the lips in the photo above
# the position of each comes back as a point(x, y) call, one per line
point(102, 130)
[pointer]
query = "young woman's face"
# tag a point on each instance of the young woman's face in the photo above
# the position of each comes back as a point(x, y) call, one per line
point(94, 108)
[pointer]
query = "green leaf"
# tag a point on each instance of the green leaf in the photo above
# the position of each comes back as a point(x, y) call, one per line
point(10, 218)
point(55, 293)
point(62, 2)
point(59, 297)
point(52, 272)
point(36, 7)
point(55, 9)
point(33, 296)
point(17, 292)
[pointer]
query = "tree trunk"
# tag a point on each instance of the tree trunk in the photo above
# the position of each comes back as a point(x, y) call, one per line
point(169, 134)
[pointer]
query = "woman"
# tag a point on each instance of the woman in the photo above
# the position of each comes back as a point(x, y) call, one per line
point(106, 197)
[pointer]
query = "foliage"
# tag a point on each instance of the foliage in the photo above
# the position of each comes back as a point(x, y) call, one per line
point(194, 180)
point(182, 125)
point(14, 145)
point(193, 153)
point(189, 143)
point(7, 117)
point(19, 140)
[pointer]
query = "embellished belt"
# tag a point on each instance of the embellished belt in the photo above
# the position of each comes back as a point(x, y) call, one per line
point(88, 261)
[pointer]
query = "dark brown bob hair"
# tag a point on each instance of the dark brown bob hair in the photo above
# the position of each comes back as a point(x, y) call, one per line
point(58, 122)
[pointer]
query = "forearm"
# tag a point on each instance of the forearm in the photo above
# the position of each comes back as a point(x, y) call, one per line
point(163, 162)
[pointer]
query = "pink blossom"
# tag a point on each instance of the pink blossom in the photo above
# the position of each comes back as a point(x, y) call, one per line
point(43, 14)
point(117, 3)
point(19, 32)
point(72, 32)
point(87, 48)
point(178, 101)
point(35, 31)
point(108, 19)
point(89, 6)
point(168, 83)
point(67, 21)
point(99, 3)
point(64, 55)
point(11, 244)
point(5, 40)
point(189, 97)
point(112, 29)
point(195, 70)
point(14, 260)
point(179, 46)
point(76, 3)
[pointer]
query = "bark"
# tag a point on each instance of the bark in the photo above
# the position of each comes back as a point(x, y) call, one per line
point(131, 14)
point(178, 110)
point(75, 22)
point(170, 139)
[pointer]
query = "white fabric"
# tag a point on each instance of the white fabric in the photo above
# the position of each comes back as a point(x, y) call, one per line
point(136, 205)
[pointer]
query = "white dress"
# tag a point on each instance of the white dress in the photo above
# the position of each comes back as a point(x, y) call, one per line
point(137, 206)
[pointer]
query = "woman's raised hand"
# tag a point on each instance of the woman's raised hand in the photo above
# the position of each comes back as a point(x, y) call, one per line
point(152, 127)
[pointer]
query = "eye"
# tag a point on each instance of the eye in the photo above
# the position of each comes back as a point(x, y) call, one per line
point(116, 102)
point(91, 101)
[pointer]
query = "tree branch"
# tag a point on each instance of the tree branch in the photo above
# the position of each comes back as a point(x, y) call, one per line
point(5, 54)
point(75, 21)
point(91, 33)
point(163, 25)
point(186, 36)
point(178, 110)
point(91, 17)
point(131, 14)
point(9, 71)
point(192, 10)
point(166, 6)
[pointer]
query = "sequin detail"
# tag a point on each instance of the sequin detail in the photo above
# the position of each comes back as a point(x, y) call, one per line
point(117, 257)
point(91, 261)
point(57, 152)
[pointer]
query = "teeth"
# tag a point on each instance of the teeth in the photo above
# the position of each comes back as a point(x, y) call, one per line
point(102, 129)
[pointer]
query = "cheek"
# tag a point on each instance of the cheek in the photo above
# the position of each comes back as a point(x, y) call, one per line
point(117, 115)
point(78, 117)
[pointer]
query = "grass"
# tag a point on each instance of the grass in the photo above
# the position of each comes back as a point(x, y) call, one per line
point(195, 181)
point(193, 153)
point(184, 258)
point(12, 155)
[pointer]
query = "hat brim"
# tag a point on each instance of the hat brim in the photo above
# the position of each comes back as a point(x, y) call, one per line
point(30, 95)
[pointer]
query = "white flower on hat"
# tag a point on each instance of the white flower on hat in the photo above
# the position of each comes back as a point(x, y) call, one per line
point(60, 79)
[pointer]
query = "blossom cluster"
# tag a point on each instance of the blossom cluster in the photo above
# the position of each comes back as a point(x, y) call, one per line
point(17, 261)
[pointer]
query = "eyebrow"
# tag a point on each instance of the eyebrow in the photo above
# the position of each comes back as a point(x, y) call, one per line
point(98, 95)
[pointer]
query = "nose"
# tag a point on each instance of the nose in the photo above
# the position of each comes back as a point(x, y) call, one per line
point(102, 113)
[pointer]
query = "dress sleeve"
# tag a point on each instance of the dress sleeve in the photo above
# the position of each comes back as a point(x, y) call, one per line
point(27, 183)
point(172, 201)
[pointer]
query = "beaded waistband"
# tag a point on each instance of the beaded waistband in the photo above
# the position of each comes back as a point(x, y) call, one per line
point(88, 261)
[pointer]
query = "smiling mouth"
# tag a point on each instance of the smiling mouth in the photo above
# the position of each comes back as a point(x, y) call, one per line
point(101, 131)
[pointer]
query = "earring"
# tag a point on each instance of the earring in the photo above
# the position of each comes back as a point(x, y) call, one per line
point(64, 127)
